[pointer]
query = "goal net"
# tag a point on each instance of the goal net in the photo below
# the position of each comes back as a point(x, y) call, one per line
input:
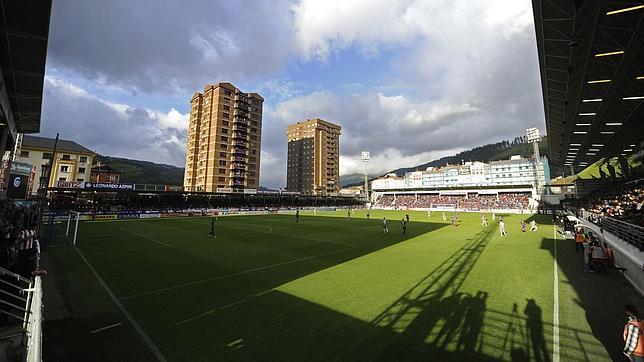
point(72, 226)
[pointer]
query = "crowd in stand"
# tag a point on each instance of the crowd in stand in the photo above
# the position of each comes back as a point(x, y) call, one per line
point(19, 245)
point(159, 202)
point(624, 202)
point(471, 201)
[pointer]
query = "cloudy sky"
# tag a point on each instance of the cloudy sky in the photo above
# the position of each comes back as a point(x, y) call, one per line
point(408, 80)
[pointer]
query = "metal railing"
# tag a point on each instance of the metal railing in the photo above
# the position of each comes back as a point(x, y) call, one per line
point(630, 233)
point(21, 299)
point(34, 322)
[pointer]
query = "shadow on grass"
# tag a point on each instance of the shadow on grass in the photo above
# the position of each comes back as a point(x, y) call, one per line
point(293, 254)
point(601, 296)
point(433, 320)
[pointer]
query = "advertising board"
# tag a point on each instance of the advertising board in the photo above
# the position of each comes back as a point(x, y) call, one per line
point(104, 186)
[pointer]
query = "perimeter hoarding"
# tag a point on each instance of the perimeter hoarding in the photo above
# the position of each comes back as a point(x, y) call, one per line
point(104, 186)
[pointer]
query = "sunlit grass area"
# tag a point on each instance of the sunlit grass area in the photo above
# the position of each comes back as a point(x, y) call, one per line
point(327, 288)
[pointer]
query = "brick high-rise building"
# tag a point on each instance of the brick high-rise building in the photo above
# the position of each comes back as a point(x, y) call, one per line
point(313, 157)
point(224, 139)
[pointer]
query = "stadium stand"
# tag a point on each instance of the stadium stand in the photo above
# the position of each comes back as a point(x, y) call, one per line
point(472, 201)
point(622, 201)
point(131, 201)
point(20, 279)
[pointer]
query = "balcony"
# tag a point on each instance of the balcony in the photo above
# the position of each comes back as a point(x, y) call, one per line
point(238, 158)
point(237, 183)
point(238, 166)
point(240, 113)
point(238, 127)
point(239, 151)
point(237, 174)
point(240, 97)
point(241, 122)
point(239, 135)
point(239, 143)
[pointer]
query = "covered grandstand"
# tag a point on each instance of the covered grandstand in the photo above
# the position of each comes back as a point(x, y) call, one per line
point(591, 57)
point(24, 34)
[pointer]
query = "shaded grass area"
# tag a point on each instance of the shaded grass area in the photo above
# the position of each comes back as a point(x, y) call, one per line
point(326, 288)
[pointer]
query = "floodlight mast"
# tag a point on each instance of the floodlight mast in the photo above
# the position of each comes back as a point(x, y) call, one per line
point(365, 161)
point(534, 137)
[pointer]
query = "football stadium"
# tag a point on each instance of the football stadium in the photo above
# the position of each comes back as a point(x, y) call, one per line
point(531, 250)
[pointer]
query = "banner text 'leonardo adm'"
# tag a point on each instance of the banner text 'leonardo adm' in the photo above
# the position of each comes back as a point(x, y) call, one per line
point(107, 186)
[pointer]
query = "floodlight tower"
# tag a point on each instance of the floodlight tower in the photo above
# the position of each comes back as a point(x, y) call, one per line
point(365, 161)
point(534, 137)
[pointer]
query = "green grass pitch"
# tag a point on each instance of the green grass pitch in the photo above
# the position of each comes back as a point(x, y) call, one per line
point(327, 288)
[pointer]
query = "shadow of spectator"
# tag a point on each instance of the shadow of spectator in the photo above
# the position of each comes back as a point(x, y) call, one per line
point(470, 338)
point(535, 330)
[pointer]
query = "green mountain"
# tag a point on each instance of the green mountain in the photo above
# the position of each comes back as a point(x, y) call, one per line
point(144, 172)
point(354, 179)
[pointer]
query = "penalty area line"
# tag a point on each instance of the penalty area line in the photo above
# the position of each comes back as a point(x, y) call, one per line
point(144, 237)
point(106, 328)
point(235, 274)
point(127, 314)
point(219, 308)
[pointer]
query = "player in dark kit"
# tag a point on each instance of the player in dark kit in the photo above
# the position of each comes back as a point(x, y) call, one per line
point(407, 217)
point(212, 228)
point(297, 215)
point(403, 223)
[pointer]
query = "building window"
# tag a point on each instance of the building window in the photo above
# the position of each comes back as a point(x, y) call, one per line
point(222, 179)
point(223, 147)
point(62, 179)
point(66, 157)
point(227, 92)
point(64, 168)
point(224, 138)
point(46, 156)
point(225, 115)
point(222, 171)
point(222, 154)
point(224, 130)
point(225, 123)
point(83, 159)
point(79, 180)
point(226, 108)
point(222, 163)
point(81, 170)
point(24, 153)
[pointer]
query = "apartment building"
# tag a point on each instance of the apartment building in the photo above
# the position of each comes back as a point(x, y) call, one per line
point(224, 140)
point(313, 157)
point(72, 161)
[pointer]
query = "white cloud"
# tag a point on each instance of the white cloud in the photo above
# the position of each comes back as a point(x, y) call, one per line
point(171, 119)
point(116, 129)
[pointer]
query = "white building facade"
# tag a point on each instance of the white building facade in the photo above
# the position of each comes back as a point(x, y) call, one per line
point(517, 172)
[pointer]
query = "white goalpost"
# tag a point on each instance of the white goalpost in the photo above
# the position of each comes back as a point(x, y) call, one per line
point(73, 218)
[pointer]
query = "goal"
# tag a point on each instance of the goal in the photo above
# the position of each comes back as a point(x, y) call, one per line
point(72, 219)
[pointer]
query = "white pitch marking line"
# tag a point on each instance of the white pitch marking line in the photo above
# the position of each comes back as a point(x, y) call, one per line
point(555, 312)
point(127, 314)
point(219, 308)
point(145, 237)
point(106, 328)
point(233, 274)
point(207, 313)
